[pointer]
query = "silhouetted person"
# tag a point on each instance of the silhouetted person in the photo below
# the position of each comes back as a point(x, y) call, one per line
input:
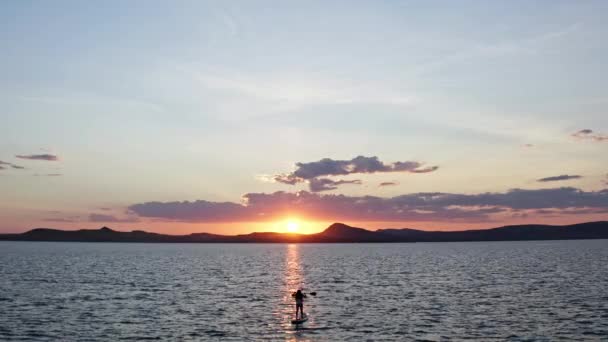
point(299, 297)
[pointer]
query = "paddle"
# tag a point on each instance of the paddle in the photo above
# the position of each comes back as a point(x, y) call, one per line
point(310, 293)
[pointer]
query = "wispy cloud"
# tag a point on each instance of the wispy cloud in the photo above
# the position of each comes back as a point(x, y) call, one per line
point(529, 44)
point(588, 134)
point(47, 157)
point(245, 95)
point(313, 171)
point(417, 206)
point(111, 219)
point(388, 184)
point(559, 178)
point(48, 175)
point(297, 89)
point(61, 219)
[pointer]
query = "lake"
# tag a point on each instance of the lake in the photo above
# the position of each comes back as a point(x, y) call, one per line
point(542, 290)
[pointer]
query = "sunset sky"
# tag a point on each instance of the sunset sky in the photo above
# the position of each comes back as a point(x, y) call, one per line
point(238, 116)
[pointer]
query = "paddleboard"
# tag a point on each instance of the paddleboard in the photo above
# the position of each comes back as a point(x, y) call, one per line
point(300, 321)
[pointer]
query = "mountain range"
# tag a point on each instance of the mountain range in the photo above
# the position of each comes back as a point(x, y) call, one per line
point(335, 233)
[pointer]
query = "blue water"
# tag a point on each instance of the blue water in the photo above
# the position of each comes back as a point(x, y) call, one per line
point(550, 291)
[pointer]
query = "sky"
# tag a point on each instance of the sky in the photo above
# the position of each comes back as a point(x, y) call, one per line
point(237, 116)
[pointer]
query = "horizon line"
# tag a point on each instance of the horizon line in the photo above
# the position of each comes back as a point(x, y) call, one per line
point(302, 234)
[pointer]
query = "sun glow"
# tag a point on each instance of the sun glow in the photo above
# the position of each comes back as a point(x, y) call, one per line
point(292, 226)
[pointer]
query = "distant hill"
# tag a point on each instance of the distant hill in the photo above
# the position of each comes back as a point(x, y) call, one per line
point(337, 232)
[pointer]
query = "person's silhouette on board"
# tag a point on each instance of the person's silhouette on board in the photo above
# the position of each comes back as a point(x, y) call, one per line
point(299, 297)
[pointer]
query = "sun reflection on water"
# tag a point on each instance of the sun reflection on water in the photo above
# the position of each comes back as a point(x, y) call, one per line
point(293, 280)
point(293, 272)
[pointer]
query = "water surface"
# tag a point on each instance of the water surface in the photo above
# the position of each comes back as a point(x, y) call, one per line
point(548, 290)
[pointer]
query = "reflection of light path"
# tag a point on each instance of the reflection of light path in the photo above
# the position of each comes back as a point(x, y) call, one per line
point(293, 280)
point(293, 274)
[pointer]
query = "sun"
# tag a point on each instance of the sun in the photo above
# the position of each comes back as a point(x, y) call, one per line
point(292, 226)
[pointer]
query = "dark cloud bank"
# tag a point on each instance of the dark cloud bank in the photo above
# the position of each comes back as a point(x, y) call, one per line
point(418, 206)
point(316, 173)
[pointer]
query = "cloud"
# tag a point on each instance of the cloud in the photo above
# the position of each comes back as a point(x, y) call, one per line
point(288, 179)
point(311, 172)
point(293, 92)
point(324, 184)
point(48, 175)
point(471, 53)
point(14, 166)
point(111, 218)
point(588, 134)
point(528, 145)
point(570, 211)
point(47, 157)
point(60, 219)
point(434, 206)
point(360, 164)
point(559, 178)
point(388, 184)
point(196, 211)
